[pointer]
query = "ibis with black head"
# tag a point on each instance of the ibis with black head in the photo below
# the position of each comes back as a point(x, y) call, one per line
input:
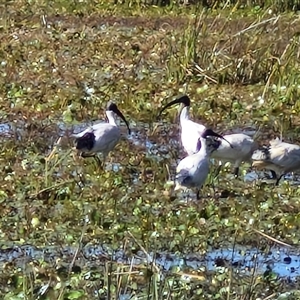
point(239, 147)
point(193, 170)
point(101, 137)
point(190, 130)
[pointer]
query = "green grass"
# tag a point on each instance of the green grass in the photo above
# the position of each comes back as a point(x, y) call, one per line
point(240, 68)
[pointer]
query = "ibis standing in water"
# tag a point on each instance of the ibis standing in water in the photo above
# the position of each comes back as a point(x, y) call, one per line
point(193, 170)
point(239, 147)
point(190, 131)
point(239, 150)
point(279, 157)
point(102, 137)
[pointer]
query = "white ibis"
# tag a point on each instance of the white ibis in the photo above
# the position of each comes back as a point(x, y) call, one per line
point(239, 148)
point(190, 131)
point(279, 157)
point(192, 171)
point(102, 137)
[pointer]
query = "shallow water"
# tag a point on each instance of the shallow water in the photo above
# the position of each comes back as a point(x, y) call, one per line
point(281, 261)
point(5, 129)
point(141, 137)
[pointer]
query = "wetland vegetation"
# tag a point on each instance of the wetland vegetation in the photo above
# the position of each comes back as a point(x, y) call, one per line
point(70, 231)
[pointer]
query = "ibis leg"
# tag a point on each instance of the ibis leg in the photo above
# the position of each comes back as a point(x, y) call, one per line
point(198, 195)
point(95, 156)
point(236, 171)
point(274, 175)
point(277, 181)
point(98, 161)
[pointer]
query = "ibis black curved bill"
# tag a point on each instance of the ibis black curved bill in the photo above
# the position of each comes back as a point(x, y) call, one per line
point(113, 107)
point(185, 100)
point(210, 132)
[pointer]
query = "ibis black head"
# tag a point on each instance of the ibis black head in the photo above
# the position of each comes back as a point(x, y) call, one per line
point(210, 132)
point(111, 106)
point(185, 100)
point(210, 143)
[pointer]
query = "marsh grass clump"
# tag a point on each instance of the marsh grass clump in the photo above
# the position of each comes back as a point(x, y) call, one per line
point(279, 6)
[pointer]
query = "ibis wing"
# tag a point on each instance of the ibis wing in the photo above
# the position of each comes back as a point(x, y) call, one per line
point(106, 137)
point(82, 133)
point(242, 148)
point(89, 129)
point(289, 159)
point(261, 154)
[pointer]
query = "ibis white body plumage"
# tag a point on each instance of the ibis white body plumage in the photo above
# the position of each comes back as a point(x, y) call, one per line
point(239, 150)
point(102, 137)
point(236, 148)
point(279, 157)
point(193, 170)
point(190, 130)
